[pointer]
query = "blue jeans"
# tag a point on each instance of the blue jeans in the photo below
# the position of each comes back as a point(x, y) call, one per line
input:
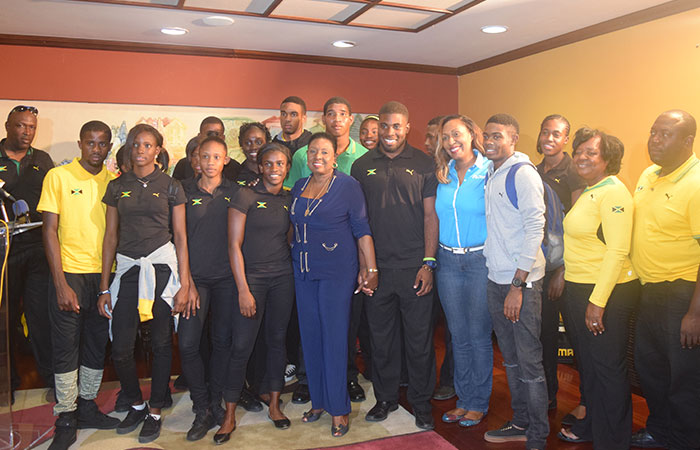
point(521, 348)
point(461, 281)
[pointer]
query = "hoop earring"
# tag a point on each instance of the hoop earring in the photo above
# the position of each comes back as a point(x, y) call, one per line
point(335, 165)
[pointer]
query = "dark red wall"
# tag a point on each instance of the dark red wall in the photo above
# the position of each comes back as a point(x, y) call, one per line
point(56, 74)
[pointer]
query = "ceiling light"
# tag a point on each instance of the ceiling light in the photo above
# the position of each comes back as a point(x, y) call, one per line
point(494, 29)
point(217, 21)
point(344, 44)
point(174, 31)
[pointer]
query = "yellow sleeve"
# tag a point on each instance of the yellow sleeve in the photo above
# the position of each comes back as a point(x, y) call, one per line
point(616, 215)
point(50, 200)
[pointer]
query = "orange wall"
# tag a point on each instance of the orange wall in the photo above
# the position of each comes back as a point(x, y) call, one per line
point(40, 73)
point(619, 82)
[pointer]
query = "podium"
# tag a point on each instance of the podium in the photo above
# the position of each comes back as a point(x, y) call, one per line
point(11, 438)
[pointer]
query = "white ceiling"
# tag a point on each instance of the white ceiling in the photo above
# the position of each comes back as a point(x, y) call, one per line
point(454, 42)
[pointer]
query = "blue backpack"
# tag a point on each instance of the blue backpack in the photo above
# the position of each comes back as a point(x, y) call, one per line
point(553, 242)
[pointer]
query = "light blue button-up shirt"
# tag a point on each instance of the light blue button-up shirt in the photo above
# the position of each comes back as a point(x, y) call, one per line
point(461, 208)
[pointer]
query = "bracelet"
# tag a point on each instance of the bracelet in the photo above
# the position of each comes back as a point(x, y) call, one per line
point(101, 293)
point(429, 259)
point(373, 270)
point(427, 267)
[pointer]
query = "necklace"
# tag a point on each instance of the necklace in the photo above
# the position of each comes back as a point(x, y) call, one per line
point(143, 182)
point(310, 206)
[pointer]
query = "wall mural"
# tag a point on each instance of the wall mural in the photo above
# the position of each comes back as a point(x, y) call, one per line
point(59, 125)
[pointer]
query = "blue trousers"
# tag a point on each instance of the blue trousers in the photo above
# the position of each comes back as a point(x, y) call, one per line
point(461, 280)
point(324, 320)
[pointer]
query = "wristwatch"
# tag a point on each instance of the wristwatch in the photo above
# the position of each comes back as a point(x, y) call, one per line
point(517, 282)
point(431, 263)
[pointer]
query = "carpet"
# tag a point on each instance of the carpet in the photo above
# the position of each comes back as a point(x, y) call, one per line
point(415, 441)
point(254, 430)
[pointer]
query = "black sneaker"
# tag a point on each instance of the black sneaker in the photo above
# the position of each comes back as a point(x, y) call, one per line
point(66, 431)
point(248, 402)
point(301, 394)
point(90, 416)
point(150, 429)
point(132, 420)
point(507, 433)
point(203, 422)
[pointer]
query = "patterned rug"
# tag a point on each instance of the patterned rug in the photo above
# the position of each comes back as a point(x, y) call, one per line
point(254, 430)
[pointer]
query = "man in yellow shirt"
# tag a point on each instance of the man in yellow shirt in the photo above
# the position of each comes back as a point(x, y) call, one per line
point(74, 225)
point(666, 255)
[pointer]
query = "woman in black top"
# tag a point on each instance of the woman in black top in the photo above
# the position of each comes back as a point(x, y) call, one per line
point(152, 279)
point(251, 136)
point(260, 259)
point(208, 197)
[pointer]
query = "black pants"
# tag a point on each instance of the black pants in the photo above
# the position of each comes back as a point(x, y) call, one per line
point(608, 421)
point(274, 296)
point(193, 360)
point(395, 303)
point(359, 329)
point(28, 285)
point(125, 323)
point(669, 374)
point(549, 337)
point(78, 339)
point(447, 370)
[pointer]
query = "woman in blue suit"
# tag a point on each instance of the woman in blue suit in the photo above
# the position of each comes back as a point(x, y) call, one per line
point(329, 217)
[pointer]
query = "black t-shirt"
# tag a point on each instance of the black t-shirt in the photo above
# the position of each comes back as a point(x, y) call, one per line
point(25, 184)
point(394, 190)
point(183, 170)
point(144, 210)
point(563, 179)
point(207, 229)
point(297, 143)
point(245, 176)
point(265, 246)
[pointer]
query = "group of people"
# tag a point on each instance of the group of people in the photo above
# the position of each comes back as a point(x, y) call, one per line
point(333, 235)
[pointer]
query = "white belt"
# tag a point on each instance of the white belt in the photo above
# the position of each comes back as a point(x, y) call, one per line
point(462, 251)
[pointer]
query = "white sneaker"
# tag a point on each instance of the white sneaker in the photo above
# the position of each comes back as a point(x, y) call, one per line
point(290, 373)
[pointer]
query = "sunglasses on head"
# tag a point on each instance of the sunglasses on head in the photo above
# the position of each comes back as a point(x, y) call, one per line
point(22, 108)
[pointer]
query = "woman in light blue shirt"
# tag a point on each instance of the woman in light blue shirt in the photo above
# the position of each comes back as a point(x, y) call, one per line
point(462, 273)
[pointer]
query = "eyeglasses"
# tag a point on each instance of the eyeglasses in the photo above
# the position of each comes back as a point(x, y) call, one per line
point(22, 108)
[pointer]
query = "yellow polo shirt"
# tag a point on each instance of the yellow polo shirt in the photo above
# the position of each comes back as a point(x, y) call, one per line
point(76, 196)
point(667, 224)
point(597, 238)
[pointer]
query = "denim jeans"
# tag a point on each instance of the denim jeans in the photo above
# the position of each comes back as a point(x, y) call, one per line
point(520, 346)
point(461, 280)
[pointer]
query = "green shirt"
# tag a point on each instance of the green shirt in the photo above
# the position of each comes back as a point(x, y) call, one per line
point(300, 168)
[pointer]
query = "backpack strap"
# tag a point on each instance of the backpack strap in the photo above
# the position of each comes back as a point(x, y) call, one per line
point(511, 192)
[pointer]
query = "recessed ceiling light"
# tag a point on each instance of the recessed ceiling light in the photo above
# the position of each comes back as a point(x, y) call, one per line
point(174, 31)
point(217, 21)
point(494, 29)
point(344, 44)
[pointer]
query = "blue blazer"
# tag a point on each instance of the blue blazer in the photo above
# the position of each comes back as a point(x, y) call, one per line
point(324, 244)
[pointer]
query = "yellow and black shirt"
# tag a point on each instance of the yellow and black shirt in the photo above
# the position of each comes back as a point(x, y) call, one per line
point(597, 237)
point(667, 224)
point(75, 195)
point(144, 210)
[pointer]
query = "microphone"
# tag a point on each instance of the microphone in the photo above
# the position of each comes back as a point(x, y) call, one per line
point(21, 210)
point(4, 194)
